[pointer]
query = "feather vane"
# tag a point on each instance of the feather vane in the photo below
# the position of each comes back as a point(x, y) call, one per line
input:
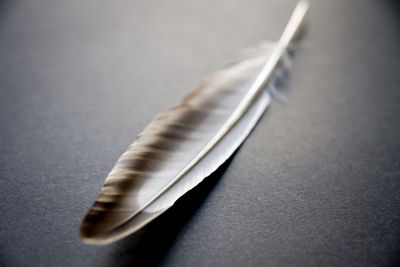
point(185, 144)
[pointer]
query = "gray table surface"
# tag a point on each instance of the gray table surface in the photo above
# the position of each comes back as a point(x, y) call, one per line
point(316, 183)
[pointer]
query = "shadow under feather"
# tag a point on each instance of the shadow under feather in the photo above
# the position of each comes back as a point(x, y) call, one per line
point(149, 245)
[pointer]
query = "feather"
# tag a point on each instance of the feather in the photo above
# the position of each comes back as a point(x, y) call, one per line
point(185, 144)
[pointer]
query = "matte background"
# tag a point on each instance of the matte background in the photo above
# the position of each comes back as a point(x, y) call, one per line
point(316, 183)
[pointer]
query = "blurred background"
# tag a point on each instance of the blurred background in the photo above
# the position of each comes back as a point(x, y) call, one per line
point(317, 182)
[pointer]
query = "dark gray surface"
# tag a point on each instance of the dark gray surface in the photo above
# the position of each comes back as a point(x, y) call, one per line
point(317, 182)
